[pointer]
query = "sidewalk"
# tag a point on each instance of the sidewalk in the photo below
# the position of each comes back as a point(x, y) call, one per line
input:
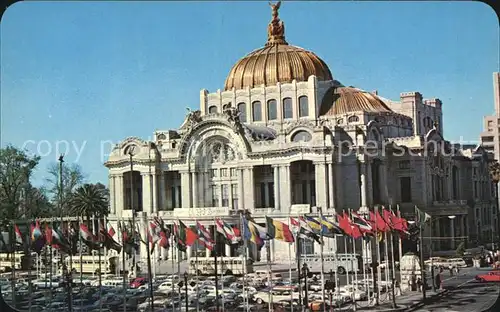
point(406, 301)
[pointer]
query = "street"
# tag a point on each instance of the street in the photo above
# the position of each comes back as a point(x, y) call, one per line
point(464, 293)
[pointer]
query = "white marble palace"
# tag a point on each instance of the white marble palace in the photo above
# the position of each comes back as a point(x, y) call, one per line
point(284, 137)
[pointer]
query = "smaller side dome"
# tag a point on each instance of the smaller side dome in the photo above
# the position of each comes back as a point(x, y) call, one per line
point(340, 100)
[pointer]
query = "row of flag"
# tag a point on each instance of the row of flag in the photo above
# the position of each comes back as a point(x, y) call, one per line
point(347, 223)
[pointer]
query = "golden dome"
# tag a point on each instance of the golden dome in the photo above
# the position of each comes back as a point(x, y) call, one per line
point(276, 62)
point(340, 100)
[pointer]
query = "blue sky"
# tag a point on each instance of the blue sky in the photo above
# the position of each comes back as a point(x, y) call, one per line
point(87, 72)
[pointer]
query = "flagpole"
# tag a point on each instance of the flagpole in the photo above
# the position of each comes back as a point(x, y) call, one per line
point(148, 259)
point(13, 263)
point(269, 270)
point(45, 266)
point(335, 259)
point(96, 234)
point(215, 267)
point(290, 267)
point(30, 285)
point(245, 249)
point(221, 264)
point(322, 258)
point(355, 270)
point(179, 264)
point(50, 259)
point(197, 277)
point(400, 242)
point(297, 256)
point(124, 274)
point(173, 262)
point(377, 246)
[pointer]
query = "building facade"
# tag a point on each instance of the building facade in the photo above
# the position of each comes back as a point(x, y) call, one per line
point(284, 138)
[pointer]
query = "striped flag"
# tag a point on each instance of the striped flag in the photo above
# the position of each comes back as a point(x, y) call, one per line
point(279, 230)
point(227, 230)
point(204, 236)
point(19, 236)
point(363, 224)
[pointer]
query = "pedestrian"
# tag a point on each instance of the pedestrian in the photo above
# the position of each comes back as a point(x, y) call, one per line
point(419, 284)
point(451, 270)
point(397, 289)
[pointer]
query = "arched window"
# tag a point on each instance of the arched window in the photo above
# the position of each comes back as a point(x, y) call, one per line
point(353, 119)
point(272, 113)
point(242, 108)
point(340, 121)
point(375, 135)
point(287, 108)
point(257, 111)
point(301, 136)
point(303, 106)
point(212, 110)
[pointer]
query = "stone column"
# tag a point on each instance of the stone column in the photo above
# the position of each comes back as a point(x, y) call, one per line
point(362, 169)
point(321, 186)
point(241, 199)
point(383, 182)
point(230, 195)
point(221, 190)
point(154, 192)
point(112, 194)
point(194, 188)
point(185, 190)
point(331, 186)
point(249, 194)
point(146, 192)
point(162, 191)
point(369, 182)
point(277, 204)
point(452, 233)
point(285, 187)
point(119, 194)
point(339, 192)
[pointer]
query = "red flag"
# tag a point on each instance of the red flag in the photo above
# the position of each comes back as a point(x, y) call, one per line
point(389, 218)
point(344, 224)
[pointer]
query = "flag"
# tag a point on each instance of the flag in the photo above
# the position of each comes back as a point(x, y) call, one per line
point(313, 224)
point(164, 233)
point(303, 230)
point(330, 228)
point(88, 238)
point(363, 224)
point(111, 230)
point(251, 233)
point(355, 230)
point(19, 236)
point(153, 233)
point(279, 230)
point(108, 240)
point(230, 233)
point(204, 236)
point(389, 219)
point(184, 236)
point(422, 216)
point(37, 238)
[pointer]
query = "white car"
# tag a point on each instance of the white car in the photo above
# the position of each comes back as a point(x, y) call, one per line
point(355, 293)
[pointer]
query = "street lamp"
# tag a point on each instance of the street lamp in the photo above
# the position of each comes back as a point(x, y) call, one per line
point(305, 273)
point(186, 289)
point(431, 247)
point(131, 152)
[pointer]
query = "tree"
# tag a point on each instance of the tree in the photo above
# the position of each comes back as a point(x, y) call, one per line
point(16, 167)
point(72, 177)
point(89, 200)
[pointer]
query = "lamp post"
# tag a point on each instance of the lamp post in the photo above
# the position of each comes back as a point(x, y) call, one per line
point(431, 247)
point(131, 152)
point(186, 290)
point(305, 273)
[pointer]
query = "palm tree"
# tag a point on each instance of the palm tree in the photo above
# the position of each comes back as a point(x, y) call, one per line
point(90, 200)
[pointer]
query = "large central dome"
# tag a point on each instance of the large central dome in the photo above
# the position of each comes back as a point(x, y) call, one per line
point(276, 62)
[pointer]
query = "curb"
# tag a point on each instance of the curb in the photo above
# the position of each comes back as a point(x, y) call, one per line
point(421, 303)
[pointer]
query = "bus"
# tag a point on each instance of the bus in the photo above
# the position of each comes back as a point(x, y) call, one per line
point(90, 264)
point(340, 262)
point(20, 261)
point(225, 265)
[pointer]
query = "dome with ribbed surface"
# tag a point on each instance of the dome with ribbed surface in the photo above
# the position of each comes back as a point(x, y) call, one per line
point(340, 100)
point(276, 62)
